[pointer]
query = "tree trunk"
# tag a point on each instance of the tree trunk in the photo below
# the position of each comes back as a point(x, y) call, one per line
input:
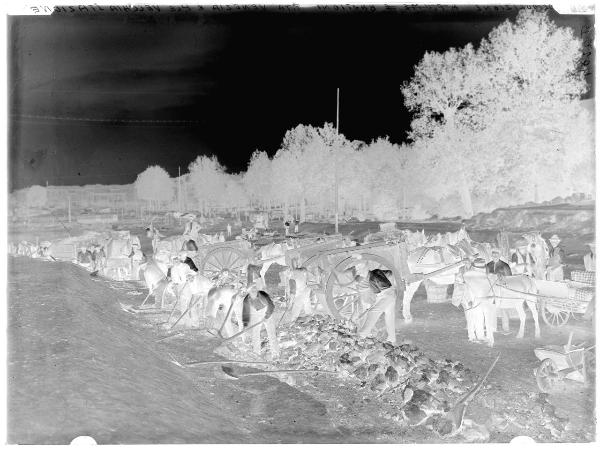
point(303, 210)
point(465, 196)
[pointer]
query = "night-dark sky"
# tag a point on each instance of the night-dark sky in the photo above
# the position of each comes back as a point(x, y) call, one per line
point(241, 79)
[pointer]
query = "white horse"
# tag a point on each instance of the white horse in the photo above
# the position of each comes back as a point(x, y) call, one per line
point(538, 253)
point(190, 299)
point(507, 292)
point(426, 260)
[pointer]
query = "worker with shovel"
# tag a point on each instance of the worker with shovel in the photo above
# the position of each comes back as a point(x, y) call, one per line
point(181, 274)
point(385, 304)
point(258, 311)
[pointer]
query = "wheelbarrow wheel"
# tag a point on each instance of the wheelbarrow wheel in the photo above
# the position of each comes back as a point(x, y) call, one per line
point(547, 375)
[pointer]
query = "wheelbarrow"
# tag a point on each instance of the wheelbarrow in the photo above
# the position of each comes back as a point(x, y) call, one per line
point(560, 363)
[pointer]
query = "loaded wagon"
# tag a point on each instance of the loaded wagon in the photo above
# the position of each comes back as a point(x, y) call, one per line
point(561, 300)
point(341, 293)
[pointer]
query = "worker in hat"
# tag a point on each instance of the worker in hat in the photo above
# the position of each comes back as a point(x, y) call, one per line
point(192, 228)
point(258, 310)
point(589, 260)
point(497, 266)
point(181, 274)
point(554, 268)
point(383, 295)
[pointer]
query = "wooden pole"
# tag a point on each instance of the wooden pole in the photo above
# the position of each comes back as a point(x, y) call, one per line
point(337, 129)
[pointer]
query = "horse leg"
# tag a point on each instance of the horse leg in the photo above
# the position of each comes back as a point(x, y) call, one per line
point(478, 322)
point(532, 306)
point(408, 295)
point(522, 317)
point(489, 316)
point(470, 326)
point(505, 321)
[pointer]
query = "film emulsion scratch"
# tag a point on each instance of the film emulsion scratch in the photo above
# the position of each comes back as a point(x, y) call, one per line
point(279, 224)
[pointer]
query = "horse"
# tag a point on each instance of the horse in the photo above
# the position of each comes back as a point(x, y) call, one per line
point(538, 252)
point(190, 297)
point(425, 260)
point(224, 298)
point(506, 292)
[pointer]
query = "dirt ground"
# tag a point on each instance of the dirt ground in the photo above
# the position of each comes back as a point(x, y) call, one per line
point(81, 365)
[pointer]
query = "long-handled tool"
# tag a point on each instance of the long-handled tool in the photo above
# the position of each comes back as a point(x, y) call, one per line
point(189, 308)
point(451, 423)
point(230, 373)
point(145, 299)
point(222, 362)
point(243, 332)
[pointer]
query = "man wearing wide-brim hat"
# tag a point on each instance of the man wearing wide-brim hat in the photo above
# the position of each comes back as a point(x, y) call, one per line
point(554, 269)
point(589, 260)
point(192, 227)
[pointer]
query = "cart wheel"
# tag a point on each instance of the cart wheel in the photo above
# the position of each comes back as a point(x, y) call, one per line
point(555, 317)
point(219, 259)
point(547, 375)
point(343, 298)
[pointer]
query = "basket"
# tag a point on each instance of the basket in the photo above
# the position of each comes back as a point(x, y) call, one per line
point(436, 293)
point(458, 293)
point(587, 277)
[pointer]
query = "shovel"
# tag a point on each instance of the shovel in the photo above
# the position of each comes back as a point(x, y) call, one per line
point(220, 362)
point(230, 374)
point(451, 422)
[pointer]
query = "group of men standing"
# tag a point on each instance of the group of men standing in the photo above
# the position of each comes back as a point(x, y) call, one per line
point(554, 266)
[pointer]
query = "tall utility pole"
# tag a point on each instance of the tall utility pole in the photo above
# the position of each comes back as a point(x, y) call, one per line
point(337, 129)
point(179, 189)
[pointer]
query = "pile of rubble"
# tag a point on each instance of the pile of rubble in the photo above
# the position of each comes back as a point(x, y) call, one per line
point(419, 386)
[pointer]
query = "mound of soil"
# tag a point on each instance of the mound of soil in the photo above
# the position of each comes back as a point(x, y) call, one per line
point(77, 366)
point(565, 218)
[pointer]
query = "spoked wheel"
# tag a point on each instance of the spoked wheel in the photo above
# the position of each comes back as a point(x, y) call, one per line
point(547, 375)
point(554, 316)
point(221, 259)
point(343, 294)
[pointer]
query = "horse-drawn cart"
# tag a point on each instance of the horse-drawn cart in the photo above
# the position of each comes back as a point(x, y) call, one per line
point(337, 269)
point(213, 259)
point(561, 300)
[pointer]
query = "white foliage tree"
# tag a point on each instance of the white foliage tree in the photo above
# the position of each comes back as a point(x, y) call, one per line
point(207, 179)
point(538, 84)
point(493, 120)
point(155, 186)
point(234, 195)
point(257, 179)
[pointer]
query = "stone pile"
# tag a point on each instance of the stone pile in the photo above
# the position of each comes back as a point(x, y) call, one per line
point(419, 386)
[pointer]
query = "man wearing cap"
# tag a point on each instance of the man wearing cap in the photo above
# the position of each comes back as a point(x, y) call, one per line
point(384, 303)
point(589, 260)
point(180, 271)
point(192, 228)
point(554, 269)
point(497, 266)
point(258, 307)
